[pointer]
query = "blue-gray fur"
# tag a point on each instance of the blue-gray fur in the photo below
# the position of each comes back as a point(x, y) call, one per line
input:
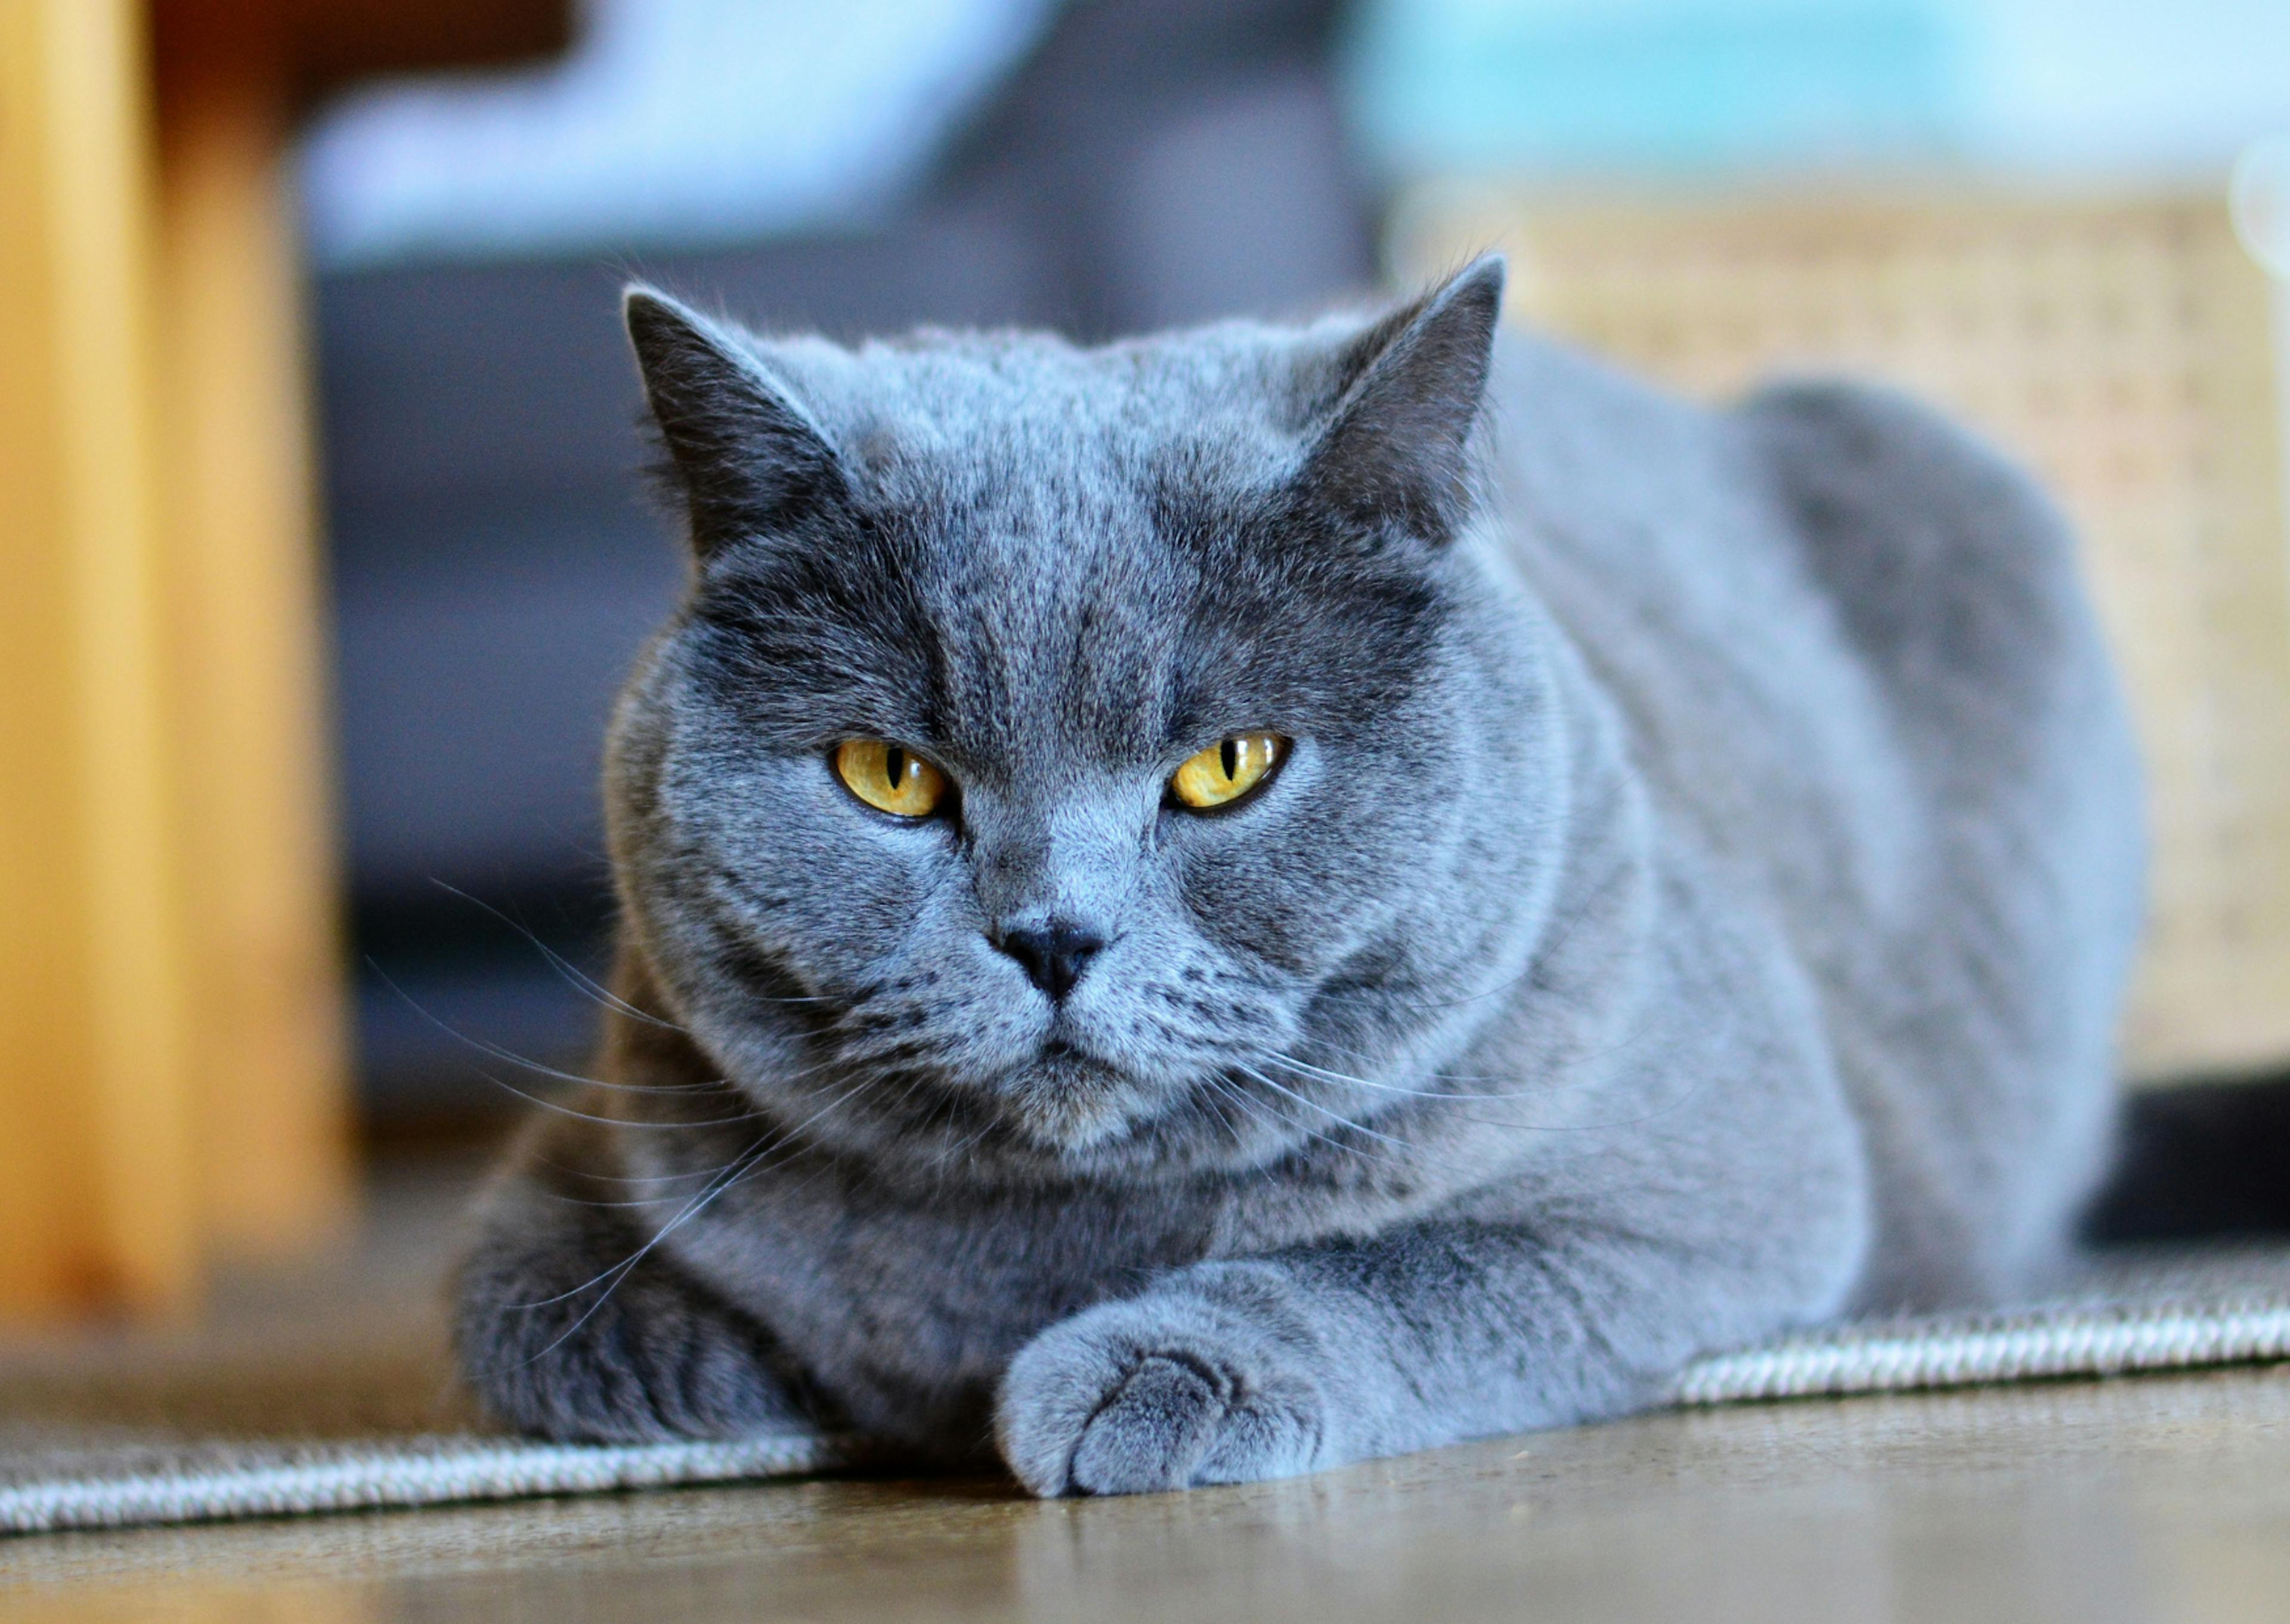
point(1695, 903)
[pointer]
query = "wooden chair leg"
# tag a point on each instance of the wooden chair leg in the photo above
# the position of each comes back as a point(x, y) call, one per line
point(97, 1201)
point(171, 1037)
point(266, 1038)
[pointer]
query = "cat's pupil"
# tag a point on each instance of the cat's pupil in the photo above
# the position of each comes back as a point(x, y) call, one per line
point(894, 767)
point(1230, 753)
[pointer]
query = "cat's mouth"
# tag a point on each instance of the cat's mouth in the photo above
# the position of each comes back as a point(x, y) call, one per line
point(1068, 1099)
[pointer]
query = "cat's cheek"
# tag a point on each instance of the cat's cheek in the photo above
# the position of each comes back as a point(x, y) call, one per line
point(867, 905)
point(1285, 900)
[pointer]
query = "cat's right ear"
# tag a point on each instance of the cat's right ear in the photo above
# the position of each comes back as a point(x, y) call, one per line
point(741, 452)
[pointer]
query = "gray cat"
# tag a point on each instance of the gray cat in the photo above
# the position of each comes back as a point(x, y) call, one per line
point(1232, 902)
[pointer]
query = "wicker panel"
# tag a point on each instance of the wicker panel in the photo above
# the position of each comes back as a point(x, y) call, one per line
point(2120, 348)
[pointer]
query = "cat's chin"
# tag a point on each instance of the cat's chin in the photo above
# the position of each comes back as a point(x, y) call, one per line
point(1068, 1101)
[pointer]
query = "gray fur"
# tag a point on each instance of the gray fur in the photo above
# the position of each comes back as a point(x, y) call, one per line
point(1696, 905)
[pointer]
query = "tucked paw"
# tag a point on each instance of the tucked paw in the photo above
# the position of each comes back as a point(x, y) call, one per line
point(1162, 1392)
point(555, 1340)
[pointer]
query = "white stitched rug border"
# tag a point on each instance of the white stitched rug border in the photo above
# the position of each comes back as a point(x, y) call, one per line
point(1974, 1350)
point(410, 1472)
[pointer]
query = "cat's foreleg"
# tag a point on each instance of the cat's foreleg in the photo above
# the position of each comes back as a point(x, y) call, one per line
point(568, 1326)
point(1229, 1372)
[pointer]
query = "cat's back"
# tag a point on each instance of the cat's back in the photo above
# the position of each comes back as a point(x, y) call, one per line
point(1824, 607)
point(1838, 531)
point(1859, 671)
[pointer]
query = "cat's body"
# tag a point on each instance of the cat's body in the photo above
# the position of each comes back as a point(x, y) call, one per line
point(1694, 903)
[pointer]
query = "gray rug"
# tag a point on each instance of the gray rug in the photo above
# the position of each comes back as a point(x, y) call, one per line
point(366, 1415)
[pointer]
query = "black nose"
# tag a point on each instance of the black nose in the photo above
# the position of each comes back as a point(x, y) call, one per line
point(1054, 955)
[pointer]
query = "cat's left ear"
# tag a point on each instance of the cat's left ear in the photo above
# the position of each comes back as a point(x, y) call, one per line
point(1395, 449)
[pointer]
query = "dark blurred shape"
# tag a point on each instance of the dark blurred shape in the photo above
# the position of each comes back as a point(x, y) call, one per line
point(496, 563)
point(1174, 161)
point(2199, 1161)
point(323, 43)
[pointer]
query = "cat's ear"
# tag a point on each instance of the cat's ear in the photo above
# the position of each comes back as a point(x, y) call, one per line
point(741, 451)
point(1395, 448)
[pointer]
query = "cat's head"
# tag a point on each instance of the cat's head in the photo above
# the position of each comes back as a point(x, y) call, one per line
point(1079, 754)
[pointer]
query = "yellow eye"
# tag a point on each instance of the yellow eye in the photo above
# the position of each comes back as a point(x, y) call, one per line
point(889, 777)
point(1227, 770)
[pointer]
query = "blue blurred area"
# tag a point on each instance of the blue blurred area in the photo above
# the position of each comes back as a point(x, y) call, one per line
point(678, 124)
point(2123, 91)
point(1688, 87)
point(673, 123)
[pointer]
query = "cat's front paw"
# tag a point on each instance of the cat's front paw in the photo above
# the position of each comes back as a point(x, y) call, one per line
point(1177, 1387)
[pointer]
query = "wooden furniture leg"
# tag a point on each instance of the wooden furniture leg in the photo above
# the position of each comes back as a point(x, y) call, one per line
point(267, 1054)
point(172, 1062)
point(96, 1200)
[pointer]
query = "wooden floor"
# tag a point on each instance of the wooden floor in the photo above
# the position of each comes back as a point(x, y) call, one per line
point(2154, 1499)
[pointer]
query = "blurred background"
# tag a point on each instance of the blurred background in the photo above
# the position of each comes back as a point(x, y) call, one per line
point(395, 557)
